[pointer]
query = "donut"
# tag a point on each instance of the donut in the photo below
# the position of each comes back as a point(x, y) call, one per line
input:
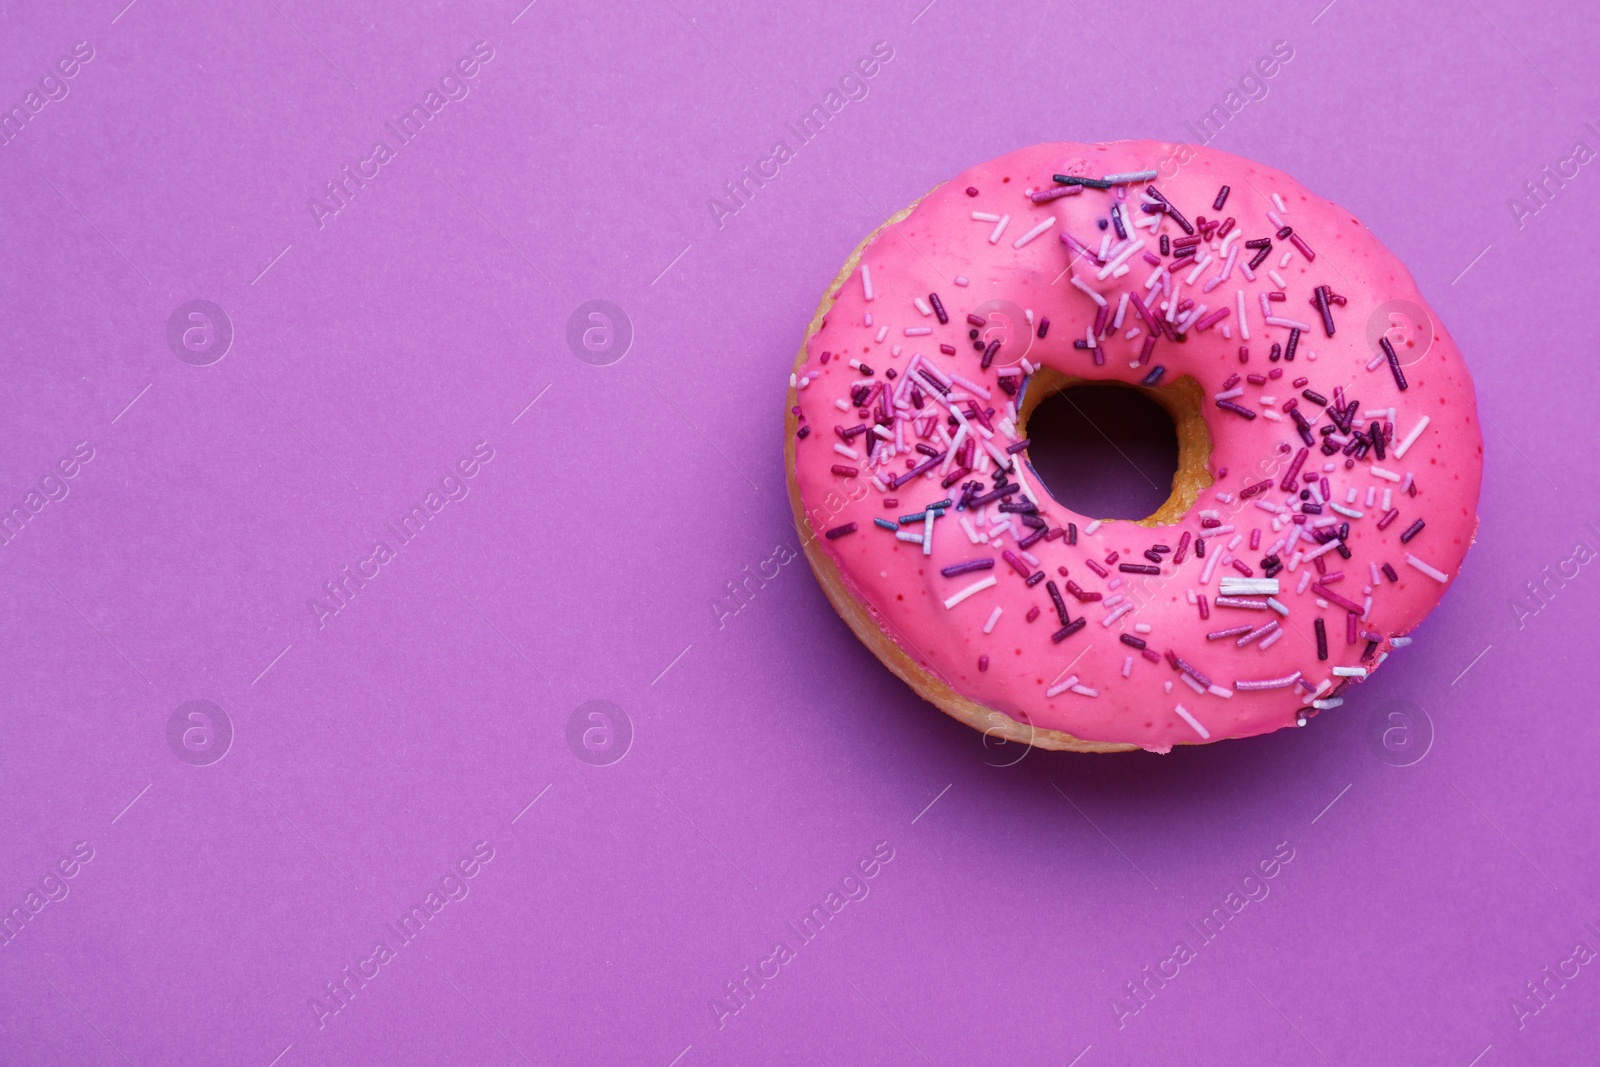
point(1329, 453)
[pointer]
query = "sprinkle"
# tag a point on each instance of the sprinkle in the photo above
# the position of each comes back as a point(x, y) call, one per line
point(975, 587)
point(1045, 195)
point(1379, 472)
point(1432, 572)
point(846, 451)
point(866, 282)
point(1205, 735)
point(1091, 528)
point(1249, 586)
point(1349, 672)
point(1083, 690)
point(917, 331)
point(1224, 601)
point(994, 617)
point(938, 309)
point(1130, 177)
point(1062, 687)
point(906, 535)
point(984, 216)
point(1394, 363)
point(970, 565)
point(1138, 568)
point(1092, 183)
point(1266, 683)
point(839, 531)
point(1411, 438)
point(1222, 198)
point(1228, 405)
point(1035, 232)
point(1069, 629)
point(1412, 531)
point(1096, 297)
point(886, 524)
point(999, 228)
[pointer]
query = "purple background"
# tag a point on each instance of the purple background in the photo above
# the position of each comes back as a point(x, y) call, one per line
point(769, 750)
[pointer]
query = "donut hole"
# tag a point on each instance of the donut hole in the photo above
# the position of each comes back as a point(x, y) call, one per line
point(1115, 451)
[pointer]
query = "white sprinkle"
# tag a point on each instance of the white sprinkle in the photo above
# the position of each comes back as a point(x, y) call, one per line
point(1198, 267)
point(1349, 513)
point(999, 228)
point(866, 282)
point(1117, 614)
point(975, 587)
point(1231, 393)
point(1062, 687)
point(1399, 642)
point(1276, 199)
point(1127, 666)
point(1244, 326)
point(1379, 472)
point(883, 331)
point(1411, 438)
point(1272, 602)
point(1290, 324)
point(984, 216)
point(918, 331)
point(961, 280)
point(922, 306)
point(1249, 586)
point(927, 533)
point(1218, 691)
point(1205, 735)
point(1283, 260)
point(846, 450)
point(866, 320)
point(1324, 705)
point(1036, 231)
point(1083, 690)
point(1432, 572)
point(1092, 527)
point(1271, 639)
point(1142, 627)
point(1096, 297)
point(905, 535)
point(1277, 279)
point(994, 617)
point(1322, 550)
point(1196, 686)
point(1122, 309)
point(1121, 257)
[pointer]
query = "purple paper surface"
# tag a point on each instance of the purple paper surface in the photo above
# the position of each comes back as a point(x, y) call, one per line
point(586, 694)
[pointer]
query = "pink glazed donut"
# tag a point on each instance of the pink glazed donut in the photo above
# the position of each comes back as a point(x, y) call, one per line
point(1329, 449)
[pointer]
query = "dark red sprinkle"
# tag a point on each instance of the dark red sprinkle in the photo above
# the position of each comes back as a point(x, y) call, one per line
point(1033, 613)
point(1129, 639)
point(1322, 638)
point(983, 663)
point(1137, 568)
point(1044, 327)
point(972, 190)
point(839, 531)
point(977, 320)
point(1388, 572)
point(1412, 531)
point(938, 308)
point(1069, 629)
point(1222, 198)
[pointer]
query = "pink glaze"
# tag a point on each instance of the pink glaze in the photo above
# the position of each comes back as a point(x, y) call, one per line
point(939, 242)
